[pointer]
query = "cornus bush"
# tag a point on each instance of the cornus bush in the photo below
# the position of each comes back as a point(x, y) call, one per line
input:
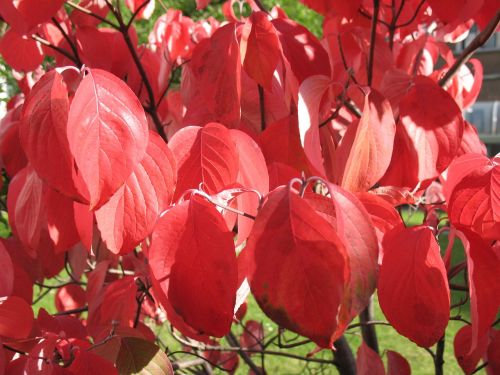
point(160, 185)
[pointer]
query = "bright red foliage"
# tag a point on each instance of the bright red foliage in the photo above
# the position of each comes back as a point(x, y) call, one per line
point(166, 181)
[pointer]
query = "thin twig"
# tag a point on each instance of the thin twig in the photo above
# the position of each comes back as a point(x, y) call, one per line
point(373, 37)
point(73, 311)
point(136, 13)
point(413, 17)
point(91, 14)
point(151, 108)
point(232, 340)
point(262, 108)
point(68, 39)
point(46, 43)
point(467, 53)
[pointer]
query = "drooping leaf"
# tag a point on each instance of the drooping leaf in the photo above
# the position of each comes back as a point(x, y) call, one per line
point(474, 202)
point(16, 317)
point(483, 263)
point(60, 220)
point(260, 48)
point(105, 116)
point(311, 93)
point(397, 364)
point(7, 274)
point(428, 135)
point(303, 294)
point(138, 356)
point(216, 68)
point(252, 174)
point(44, 135)
point(20, 51)
point(26, 207)
point(192, 256)
point(86, 362)
point(368, 362)
point(355, 229)
point(467, 359)
point(204, 156)
point(365, 152)
point(131, 213)
point(21, 17)
point(413, 287)
point(493, 354)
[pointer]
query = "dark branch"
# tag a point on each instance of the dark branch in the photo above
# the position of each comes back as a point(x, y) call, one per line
point(373, 37)
point(467, 53)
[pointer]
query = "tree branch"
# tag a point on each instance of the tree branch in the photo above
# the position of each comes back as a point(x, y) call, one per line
point(373, 37)
point(438, 359)
point(68, 39)
point(233, 341)
point(467, 53)
point(262, 108)
point(151, 108)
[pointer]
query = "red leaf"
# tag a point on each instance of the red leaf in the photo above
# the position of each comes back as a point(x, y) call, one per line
point(70, 297)
point(20, 51)
point(493, 354)
point(131, 213)
point(413, 287)
point(216, 80)
point(252, 336)
point(430, 120)
point(7, 274)
point(204, 155)
point(44, 136)
point(280, 143)
point(21, 17)
point(11, 153)
point(192, 255)
point(355, 229)
point(60, 220)
point(146, 12)
point(88, 363)
point(483, 263)
point(93, 44)
point(302, 50)
point(105, 116)
point(303, 294)
point(474, 203)
point(260, 48)
point(311, 93)
point(450, 11)
point(460, 168)
point(462, 344)
point(16, 318)
point(366, 148)
point(397, 364)
point(368, 361)
point(26, 207)
point(252, 175)
point(115, 307)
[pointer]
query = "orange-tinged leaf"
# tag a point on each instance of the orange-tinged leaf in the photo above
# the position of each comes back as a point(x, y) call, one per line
point(366, 148)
